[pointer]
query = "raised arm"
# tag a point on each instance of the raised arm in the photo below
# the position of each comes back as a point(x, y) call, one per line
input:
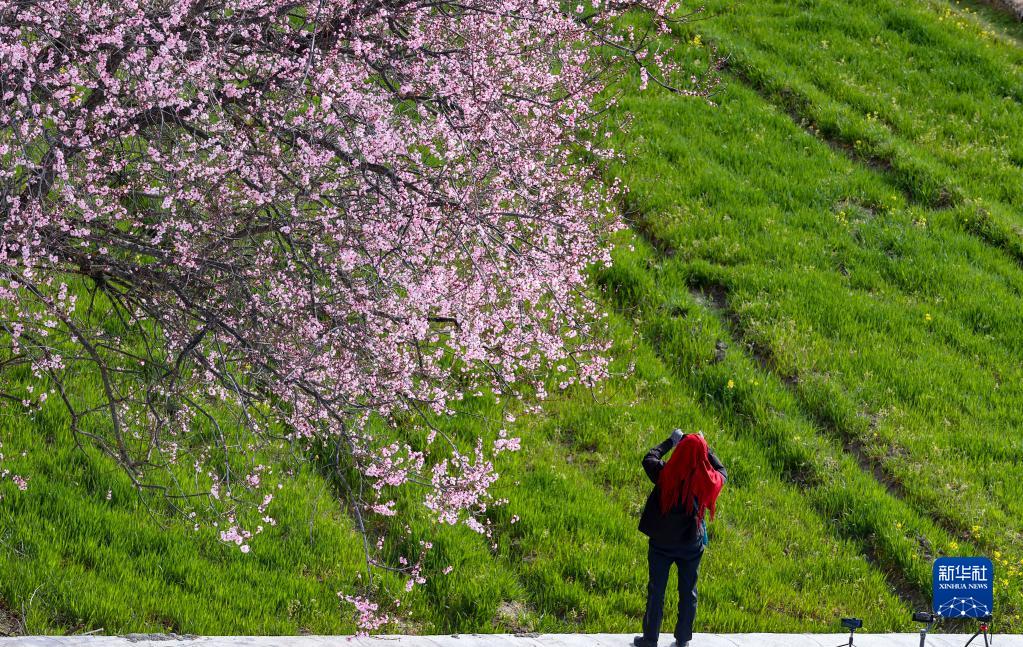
point(652, 463)
point(716, 464)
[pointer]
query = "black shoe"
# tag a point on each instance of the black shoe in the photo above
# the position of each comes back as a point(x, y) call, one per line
point(678, 644)
point(640, 641)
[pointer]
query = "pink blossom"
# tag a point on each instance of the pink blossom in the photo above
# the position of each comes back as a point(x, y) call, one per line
point(369, 618)
point(386, 509)
point(318, 228)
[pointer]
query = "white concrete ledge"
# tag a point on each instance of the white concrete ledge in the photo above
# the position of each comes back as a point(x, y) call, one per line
point(506, 640)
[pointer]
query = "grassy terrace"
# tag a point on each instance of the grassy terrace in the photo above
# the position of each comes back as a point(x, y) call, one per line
point(865, 180)
point(823, 275)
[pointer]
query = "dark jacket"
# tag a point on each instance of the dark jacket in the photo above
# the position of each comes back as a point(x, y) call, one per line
point(679, 526)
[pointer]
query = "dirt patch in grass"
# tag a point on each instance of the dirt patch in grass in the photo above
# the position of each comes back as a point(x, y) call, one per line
point(514, 615)
point(1015, 7)
point(11, 623)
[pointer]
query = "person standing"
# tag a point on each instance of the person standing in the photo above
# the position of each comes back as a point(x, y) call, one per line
point(685, 488)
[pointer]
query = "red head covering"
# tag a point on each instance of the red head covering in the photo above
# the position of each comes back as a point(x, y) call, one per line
point(688, 473)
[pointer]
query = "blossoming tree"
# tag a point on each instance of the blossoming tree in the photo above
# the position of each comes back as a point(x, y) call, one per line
point(308, 215)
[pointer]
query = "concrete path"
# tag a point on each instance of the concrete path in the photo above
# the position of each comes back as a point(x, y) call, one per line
point(505, 640)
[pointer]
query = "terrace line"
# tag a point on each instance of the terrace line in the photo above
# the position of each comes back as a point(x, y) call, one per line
point(503, 640)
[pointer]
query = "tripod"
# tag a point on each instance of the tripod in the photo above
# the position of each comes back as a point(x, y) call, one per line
point(852, 624)
point(928, 619)
point(982, 630)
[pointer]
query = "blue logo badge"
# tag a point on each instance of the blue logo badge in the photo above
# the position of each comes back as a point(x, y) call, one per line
point(964, 587)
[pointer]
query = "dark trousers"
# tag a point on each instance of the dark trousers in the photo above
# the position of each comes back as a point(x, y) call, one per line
point(660, 558)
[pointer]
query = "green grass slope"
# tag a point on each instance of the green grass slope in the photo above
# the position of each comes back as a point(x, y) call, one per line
point(73, 560)
point(853, 211)
point(824, 275)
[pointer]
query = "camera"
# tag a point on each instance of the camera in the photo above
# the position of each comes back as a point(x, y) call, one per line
point(852, 624)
